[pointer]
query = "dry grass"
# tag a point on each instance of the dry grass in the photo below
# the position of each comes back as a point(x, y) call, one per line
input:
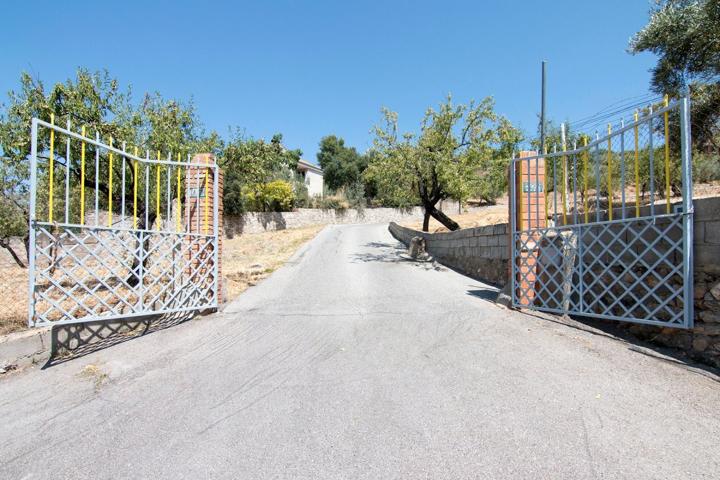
point(490, 215)
point(250, 257)
point(95, 374)
point(13, 299)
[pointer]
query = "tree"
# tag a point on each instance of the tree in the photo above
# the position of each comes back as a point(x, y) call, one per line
point(685, 35)
point(93, 100)
point(445, 160)
point(249, 163)
point(342, 166)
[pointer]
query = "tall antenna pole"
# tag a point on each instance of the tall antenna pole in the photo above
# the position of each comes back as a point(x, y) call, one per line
point(542, 110)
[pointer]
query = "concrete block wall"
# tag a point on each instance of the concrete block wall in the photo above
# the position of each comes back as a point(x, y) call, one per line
point(481, 253)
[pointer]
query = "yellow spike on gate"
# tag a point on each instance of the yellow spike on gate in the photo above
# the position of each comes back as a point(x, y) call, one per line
point(666, 102)
point(135, 185)
point(545, 180)
point(52, 168)
point(564, 181)
point(179, 204)
point(585, 179)
point(609, 174)
point(110, 185)
point(637, 167)
point(82, 178)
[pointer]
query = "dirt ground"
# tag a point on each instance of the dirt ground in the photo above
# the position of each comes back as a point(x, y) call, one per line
point(250, 257)
point(247, 259)
point(489, 215)
point(13, 299)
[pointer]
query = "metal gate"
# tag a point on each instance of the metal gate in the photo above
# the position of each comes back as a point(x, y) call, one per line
point(595, 229)
point(114, 235)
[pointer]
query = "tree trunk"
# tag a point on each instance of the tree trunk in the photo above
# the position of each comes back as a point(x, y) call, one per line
point(426, 221)
point(5, 243)
point(448, 222)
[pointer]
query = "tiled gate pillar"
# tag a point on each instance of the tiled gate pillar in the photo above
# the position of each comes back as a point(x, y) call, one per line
point(199, 215)
point(529, 215)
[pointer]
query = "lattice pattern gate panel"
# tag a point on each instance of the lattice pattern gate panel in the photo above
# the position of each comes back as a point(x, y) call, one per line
point(630, 270)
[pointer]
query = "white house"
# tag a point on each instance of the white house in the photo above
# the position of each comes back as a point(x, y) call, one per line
point(313, 176)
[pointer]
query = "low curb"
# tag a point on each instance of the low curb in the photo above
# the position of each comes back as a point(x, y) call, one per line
point(21, 349)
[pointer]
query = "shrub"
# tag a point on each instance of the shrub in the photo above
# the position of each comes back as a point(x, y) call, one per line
point(275, 196)
point(706, 167)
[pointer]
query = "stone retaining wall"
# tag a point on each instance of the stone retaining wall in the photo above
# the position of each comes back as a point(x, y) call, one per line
point(257, 222)
point(481, 253)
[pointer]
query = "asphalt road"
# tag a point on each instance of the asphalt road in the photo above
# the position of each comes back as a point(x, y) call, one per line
point(351, 362)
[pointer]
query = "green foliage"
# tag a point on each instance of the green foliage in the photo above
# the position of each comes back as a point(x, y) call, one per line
point(355, 195)
point(685, 36)
point(492, 171)
point(249, 162)
point(461, 151)
point(706, 168)
point(275, 196)
point(342, 166)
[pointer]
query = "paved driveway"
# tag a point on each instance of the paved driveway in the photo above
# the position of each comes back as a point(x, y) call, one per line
point(352, 363)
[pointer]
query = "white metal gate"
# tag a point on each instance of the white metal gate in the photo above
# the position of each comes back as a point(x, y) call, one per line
point(600, 236)
point(114, 235)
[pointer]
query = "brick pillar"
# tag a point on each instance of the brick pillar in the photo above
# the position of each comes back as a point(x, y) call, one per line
point(529, 214)
point(199, 216)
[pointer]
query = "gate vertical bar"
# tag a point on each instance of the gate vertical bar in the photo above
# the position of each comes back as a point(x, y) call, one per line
point(216, 240)
point(141, 284)
point(31, 223)
point(651, 159)
point(513, 226)
point(688, 211)
point(67, 176)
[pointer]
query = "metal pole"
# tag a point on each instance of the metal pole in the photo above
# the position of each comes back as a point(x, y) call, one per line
point(686, 168)
point(513, 242)
point(542, 108)
point(622, 166)
point(31, 223)
point(216, 225)
point(67, 176)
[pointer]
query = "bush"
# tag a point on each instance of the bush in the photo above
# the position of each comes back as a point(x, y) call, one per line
point(706, 167)
point(355, 195)
point(331, 203)
point(275, 196)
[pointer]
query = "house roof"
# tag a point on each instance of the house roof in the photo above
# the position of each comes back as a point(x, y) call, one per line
point(304, 165)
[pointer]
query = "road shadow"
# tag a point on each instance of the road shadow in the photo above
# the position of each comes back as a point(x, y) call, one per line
point(489, 294)
point(620, 332)
point(68, 342)
point(385, 252)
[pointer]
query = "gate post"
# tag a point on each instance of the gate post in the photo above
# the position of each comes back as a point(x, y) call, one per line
point(528, 217)
point(204, 187)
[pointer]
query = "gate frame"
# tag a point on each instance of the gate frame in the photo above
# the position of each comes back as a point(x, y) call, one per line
point(33, 225)
point(683, 107)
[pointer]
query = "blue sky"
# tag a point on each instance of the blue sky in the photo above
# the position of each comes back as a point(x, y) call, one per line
point(308, 69)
